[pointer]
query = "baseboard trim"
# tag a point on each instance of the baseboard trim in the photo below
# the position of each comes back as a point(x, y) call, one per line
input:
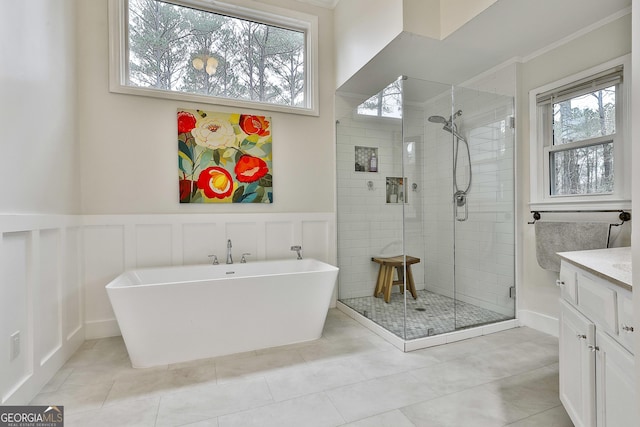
point(101, 329)
point(540, 322)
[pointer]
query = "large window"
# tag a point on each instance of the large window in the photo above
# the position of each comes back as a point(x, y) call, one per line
point(212, 52)
point(579, 132)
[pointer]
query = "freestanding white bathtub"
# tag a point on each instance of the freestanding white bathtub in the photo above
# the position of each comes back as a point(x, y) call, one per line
point(176, 314)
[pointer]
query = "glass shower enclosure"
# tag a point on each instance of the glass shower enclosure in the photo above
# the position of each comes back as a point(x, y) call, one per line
point(425, 187)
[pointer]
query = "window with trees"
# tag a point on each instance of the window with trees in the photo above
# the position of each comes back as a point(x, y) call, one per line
point(579, 127)
point(214, 52)
point(386, 103)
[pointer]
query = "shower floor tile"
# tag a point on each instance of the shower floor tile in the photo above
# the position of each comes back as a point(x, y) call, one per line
point(430, 314)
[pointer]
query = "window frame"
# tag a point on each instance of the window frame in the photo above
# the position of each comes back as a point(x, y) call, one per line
point(270, 15)
point(541, 146)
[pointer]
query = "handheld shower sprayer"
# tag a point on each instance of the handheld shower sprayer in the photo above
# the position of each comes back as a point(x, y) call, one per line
point(460, 196)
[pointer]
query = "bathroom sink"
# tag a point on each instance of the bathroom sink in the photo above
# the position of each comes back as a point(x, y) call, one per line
point(624, 266)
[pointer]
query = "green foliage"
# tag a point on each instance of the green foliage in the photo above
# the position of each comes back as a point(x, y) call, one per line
point(237, 195)
point(266, 181)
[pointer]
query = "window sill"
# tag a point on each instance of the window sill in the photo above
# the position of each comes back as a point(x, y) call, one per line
point(581, 205)
point(203, 99)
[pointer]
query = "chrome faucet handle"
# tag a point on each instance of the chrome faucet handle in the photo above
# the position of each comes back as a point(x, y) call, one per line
point(215, 259)
point(298, 249)
point(243, 260)
point(229, 255)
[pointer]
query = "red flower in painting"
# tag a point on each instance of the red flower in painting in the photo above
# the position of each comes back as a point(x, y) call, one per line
point(250, 169)
point(186, 122)
point(185, 189)
point(254, 125)
point(215, 182)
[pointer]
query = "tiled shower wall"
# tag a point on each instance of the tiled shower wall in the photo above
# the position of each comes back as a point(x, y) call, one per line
point(367, 225)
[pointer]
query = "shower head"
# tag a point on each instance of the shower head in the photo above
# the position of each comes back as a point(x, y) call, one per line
point(438, 119)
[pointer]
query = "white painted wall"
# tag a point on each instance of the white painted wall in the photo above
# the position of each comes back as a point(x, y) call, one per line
point(455, 13)
point(40, 288)
point(38, 107)
point(128, 146)
point(361, 29)
point(422, 17)
point(538, 293)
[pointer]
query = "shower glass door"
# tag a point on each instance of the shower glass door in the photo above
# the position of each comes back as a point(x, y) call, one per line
point(428, 225)
point(370, 219)
point(458, 159)
point(483, 208)
point(425, 207)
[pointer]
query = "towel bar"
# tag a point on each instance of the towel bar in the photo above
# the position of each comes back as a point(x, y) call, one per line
point(624, 215)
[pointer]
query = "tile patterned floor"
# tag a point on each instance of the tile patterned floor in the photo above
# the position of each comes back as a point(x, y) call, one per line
point(429, 314)
point(349, 377)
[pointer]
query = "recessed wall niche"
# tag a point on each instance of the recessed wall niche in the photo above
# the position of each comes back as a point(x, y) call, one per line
point(366, 159)
point(396, 191)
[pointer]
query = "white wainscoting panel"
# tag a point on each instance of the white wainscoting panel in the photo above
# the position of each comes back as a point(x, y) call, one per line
point(104, 260)
point(40, 298)
point(315, 239)
point(72, 292)
point(280, 236)
point(15, 311)
point(246, 237)
point(47, 295)
point(153, 245)
point(199, 241)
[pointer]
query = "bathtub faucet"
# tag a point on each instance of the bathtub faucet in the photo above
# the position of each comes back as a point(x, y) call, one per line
point(229, 258)
point(298, 249)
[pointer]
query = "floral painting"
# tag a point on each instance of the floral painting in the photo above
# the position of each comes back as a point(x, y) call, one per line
point(224, 158)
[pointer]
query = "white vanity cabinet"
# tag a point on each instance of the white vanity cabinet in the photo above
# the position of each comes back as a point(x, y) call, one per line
point(596, 362)
point(577, 366)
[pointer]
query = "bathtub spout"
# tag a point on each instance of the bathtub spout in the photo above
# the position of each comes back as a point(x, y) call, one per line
point(229, 257)
point(298, 249)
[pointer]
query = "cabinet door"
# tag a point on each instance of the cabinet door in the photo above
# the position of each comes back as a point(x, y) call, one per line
point(577, 366)
point(615, 384)
point(626, 331)
point(567, 282)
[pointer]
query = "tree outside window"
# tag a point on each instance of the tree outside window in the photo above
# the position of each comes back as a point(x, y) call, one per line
point(177, 48)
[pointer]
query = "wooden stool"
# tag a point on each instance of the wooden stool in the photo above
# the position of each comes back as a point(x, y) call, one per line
point(385, 275)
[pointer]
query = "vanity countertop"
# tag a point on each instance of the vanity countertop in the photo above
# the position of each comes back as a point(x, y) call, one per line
point(613, 264)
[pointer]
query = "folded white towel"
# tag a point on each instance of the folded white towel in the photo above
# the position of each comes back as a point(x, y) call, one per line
point(553, 237)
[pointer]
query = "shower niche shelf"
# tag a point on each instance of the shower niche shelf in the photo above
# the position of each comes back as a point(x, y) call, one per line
point(366, 159)
point(396, 191)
